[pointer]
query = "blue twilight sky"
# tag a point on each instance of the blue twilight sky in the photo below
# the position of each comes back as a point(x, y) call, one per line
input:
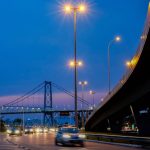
point(36, 42)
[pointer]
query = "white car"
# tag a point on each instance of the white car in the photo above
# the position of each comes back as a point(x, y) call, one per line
point(69, 136)
point(14, 131)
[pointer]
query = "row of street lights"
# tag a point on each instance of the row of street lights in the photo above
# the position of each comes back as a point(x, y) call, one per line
point(82, 8)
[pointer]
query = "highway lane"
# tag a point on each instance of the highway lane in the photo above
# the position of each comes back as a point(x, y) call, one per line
point(46, 142)
point(5, 145)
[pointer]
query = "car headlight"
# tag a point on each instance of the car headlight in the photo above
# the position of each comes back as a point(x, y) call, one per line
point(67, 136)
point(41, 130)
point(17, 131)
point(9, 131)
point(26, 130)
point(31, 130)
point(37, 130)
point(45, 130)
point(52, 129)
point(83, 136)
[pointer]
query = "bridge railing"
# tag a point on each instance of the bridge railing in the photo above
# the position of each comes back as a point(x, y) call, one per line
point(9, 110)
point(135, 60)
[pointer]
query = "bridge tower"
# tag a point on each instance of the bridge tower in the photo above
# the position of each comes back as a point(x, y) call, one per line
point(48, 105)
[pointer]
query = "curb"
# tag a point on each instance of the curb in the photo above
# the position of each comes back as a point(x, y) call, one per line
point(118, 144)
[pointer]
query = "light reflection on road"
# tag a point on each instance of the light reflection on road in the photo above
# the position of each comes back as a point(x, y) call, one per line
point(46, 142)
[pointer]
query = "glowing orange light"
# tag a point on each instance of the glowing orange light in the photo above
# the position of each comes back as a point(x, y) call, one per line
point(134, 61)
point(72, 64)
point(128, 64)
point(67, 8)
point(82, 8)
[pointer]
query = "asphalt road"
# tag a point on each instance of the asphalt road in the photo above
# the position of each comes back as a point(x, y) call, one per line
point(46, 142)
point(5, 145)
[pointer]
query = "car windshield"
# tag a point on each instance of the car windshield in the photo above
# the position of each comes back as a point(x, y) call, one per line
point(69, 130)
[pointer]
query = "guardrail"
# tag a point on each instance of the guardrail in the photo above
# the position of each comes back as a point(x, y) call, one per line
point(143, 141)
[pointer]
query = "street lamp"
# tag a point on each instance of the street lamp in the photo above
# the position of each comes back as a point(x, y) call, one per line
point(129, 64)
point(69, 8)
point(116, 39)
point(78, 64)
point(93, 93)
point(1, 119)
point(75, 9)
point(23, 119)
point(82, 83)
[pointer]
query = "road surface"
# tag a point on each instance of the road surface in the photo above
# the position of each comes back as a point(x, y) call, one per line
point(5, 145)
point(46, 142)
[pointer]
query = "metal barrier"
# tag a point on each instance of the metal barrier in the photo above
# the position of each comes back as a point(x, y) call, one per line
point(143, 141)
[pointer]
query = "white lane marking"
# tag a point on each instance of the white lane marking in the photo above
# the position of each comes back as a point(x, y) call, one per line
point(73, 148)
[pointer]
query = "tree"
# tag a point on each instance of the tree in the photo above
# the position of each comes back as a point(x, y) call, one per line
point(2, 125)
point(17, 122)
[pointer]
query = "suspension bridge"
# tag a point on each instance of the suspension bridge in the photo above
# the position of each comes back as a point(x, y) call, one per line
point(40, 100)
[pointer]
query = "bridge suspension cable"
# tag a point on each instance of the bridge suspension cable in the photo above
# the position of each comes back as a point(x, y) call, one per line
point(37, 89)
point(69, 93)
point(26, 95)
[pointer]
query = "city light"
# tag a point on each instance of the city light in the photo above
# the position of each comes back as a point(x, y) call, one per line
point(82, 8)
point(83, 83)
point(68, 8)
point(72, 64)
point(79, 63)
point(128, 63)
point(135, 60)
point(118, 38)
point(92, 92)
point(132, 63)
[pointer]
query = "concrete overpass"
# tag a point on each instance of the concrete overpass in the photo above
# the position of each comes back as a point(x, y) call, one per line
point(131, 97)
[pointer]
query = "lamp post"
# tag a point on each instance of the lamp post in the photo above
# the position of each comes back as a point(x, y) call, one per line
point(83, 84)
point(23, 118)
point(116, 39)
point(75, 9)
point(1, 120)
point(93, 93)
